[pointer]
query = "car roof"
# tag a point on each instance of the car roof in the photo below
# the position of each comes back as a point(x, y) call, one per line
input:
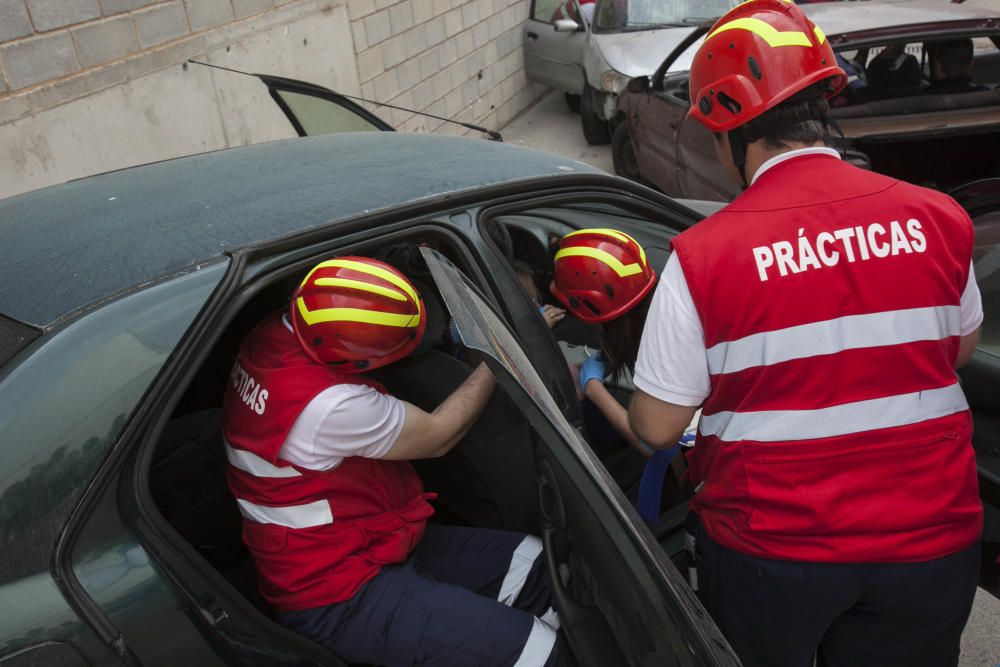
point(74, 244)
point(843, 18)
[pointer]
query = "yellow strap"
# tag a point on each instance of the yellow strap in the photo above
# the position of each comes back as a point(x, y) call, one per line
point(615, 234)
point(765, 31)
point(601, 256)
point(356, 315)
point(363, 286)
point(361, 267)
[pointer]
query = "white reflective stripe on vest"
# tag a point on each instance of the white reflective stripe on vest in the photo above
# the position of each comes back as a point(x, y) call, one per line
point(293, 516)
point(877, 413)
point(521, 561)
point(851, 332)
point(538, 647)
point(255, 465)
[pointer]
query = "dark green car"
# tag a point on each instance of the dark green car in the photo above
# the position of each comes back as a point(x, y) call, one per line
point(123, 298)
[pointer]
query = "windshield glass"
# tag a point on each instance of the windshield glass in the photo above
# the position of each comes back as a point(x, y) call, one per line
point(627, 15)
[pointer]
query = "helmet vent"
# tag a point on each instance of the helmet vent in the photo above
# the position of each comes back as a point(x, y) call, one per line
point(754, 68)
point(610, 290)
point(317, 342)
point(592, 308)
point(729, 103)
point(705, 105)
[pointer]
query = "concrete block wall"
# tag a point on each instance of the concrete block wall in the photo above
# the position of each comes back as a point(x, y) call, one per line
point(92, 85)
point(453, 58)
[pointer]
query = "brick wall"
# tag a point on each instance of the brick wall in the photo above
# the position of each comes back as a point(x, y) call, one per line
point(92, 85)
point(43, 41)
point(453, 58)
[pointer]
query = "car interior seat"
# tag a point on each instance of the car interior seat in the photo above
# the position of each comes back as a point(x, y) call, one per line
point(187, 480)
point(487, 480)
point(892, 73)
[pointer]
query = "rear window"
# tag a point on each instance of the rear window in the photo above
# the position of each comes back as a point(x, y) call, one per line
point(929, 75)
point(14, 336)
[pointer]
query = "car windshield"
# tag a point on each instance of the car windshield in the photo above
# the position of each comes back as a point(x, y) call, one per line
point(627, 15)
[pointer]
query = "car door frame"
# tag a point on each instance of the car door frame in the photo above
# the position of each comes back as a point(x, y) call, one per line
point(561, 447)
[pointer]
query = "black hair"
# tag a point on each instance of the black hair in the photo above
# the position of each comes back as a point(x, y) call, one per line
point(803, 122)
point(953, 56)
point(620, 342)
point(802, 118)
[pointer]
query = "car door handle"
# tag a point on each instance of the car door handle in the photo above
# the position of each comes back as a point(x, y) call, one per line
point(531, 35)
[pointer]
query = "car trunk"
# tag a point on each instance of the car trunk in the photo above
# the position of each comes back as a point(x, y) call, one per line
point(939, 141)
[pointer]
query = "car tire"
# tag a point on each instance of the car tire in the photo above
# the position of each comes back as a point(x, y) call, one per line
point(572, 101)
point(623, 155)
point(596, 130)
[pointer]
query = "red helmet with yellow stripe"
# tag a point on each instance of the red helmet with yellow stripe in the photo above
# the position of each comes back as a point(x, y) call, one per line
point(601, 274)
point(759, 54)
point(356, 314)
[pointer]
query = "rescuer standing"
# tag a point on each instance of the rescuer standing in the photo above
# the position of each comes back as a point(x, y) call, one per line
point(818, 320)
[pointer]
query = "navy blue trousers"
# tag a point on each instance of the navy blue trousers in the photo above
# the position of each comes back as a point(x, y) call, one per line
point(466, 596)
point(784, 614)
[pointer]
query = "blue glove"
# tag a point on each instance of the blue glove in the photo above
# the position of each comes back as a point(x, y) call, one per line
point(591, 369)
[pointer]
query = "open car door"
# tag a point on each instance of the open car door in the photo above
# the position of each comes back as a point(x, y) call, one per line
point(981, 377)
point(316, 110)
point(620, 599)
point(554, 57)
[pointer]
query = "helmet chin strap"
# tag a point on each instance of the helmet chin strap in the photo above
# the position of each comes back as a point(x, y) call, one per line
point(738, 149)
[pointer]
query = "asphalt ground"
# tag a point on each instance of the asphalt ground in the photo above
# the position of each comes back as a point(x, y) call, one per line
point(549, 125)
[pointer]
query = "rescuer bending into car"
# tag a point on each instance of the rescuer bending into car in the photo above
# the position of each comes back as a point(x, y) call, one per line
point(334, 516)
point(602, 277)
point(818, 320)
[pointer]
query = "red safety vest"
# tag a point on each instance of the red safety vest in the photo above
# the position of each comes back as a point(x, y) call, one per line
point(835, 429)
point(315, 537)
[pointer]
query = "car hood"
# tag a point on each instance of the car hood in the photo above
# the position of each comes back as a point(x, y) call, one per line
point(638, 53)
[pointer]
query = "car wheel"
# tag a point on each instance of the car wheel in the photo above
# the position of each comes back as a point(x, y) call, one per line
point(623, 155)
point(573, 102)
point(595, 128)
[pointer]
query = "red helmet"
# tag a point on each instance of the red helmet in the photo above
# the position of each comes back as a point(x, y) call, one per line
point(756, 56)
point(600, 274)
point(357, 313)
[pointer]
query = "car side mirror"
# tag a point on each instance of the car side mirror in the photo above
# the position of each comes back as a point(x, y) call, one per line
point(565, 25)
point(637, 84)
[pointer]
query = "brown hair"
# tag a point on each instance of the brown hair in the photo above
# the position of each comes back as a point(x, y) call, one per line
point(620, 342)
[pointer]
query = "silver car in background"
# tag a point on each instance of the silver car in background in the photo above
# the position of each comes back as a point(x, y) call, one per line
point(591, 59)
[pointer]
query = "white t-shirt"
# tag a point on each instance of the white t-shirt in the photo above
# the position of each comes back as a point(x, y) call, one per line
point(341, 421)
point(672, 364)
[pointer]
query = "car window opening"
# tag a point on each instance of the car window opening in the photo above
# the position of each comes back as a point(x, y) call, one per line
point(489, 480)
point(532, 236)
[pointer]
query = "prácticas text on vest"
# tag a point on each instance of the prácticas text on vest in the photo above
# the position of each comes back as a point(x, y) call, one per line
point(850, 243)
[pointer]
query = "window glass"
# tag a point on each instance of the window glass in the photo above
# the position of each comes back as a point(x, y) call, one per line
point(986, 262)
point(542, 10)
point(624, 15)
point(320, 116)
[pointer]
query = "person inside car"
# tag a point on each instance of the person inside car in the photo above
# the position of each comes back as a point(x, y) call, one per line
point(552, 315)
point(818, 320)
point(950, 64)
point(334, 515)
point(567, 10)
